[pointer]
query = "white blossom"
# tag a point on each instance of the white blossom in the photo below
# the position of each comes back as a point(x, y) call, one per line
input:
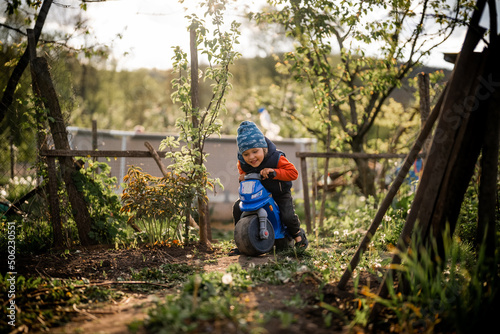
point(227, 278)
point(303, 269)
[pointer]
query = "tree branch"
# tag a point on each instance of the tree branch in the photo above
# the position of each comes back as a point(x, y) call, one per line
point(8, 94)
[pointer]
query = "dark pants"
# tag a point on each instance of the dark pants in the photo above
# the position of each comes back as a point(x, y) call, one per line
point(287, 212)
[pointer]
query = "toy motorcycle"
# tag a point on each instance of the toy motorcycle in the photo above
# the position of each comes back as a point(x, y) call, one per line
point(260, 227)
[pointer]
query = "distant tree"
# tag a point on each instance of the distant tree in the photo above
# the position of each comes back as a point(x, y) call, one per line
point(349, 94)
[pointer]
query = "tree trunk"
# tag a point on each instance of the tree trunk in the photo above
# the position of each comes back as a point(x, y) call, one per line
point(366, 176)
point(60, 136)
point(205, 230)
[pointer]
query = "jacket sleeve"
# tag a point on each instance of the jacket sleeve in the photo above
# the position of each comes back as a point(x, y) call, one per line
point(240, 171)
point(285, 171)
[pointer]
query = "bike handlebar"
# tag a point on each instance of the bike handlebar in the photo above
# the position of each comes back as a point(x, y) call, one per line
point(257, 176)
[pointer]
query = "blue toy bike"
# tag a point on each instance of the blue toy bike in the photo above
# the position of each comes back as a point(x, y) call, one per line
point(260, 227)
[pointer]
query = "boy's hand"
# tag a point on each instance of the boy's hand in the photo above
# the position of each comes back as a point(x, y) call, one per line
point(241, 177)
point(265, 172)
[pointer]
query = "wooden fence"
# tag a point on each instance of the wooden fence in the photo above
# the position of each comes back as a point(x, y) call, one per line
point(304, 172)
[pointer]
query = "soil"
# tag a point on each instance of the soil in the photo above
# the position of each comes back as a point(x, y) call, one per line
point(102, 263)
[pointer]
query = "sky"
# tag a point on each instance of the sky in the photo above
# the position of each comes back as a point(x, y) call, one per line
point(150, 28)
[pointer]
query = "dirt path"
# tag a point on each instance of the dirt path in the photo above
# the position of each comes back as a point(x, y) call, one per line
point(115, 318)
point(111, 318)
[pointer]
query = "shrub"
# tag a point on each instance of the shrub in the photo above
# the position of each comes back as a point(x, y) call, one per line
point(104, 205)
point(157, 204)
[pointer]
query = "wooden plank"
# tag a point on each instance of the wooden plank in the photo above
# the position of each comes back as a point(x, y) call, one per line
point(486, 229)
point(488, 192)
point(425, 106)
point(146, 154)
point(461, 163)
point(447, 141)
point(425, 198)
point(350, 155)
point(90, 153)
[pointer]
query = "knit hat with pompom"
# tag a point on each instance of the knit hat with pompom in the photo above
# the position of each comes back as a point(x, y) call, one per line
point(249, 136)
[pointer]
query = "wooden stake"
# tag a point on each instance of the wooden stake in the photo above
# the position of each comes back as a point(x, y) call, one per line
point(410, 159)
point(458, 88)
point(157, 159)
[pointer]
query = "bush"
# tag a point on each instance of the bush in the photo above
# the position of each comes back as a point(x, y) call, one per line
point(103, 203)
point(34, 230)
point(158, 205)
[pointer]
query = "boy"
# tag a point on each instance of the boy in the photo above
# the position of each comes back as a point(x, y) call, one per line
point(258, 154)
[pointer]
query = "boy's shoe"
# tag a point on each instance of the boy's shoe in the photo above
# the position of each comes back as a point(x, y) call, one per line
point(303, 243)
point(234, 252)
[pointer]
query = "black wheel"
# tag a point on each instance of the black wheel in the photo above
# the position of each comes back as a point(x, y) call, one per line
point(246, 236)
point(284, 243)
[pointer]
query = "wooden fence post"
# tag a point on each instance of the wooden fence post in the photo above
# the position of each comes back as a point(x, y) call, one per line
point(425, 108)
point(305, 191)
point(60, 136)
point(94, 138)
point(55, 211)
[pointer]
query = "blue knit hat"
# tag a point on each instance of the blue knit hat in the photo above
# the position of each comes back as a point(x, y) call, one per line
point(249, 136)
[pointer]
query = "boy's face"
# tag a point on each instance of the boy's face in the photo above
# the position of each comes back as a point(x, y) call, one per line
point(254, 156)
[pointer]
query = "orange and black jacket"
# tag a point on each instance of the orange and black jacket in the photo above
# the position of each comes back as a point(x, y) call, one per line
point(275, 159)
